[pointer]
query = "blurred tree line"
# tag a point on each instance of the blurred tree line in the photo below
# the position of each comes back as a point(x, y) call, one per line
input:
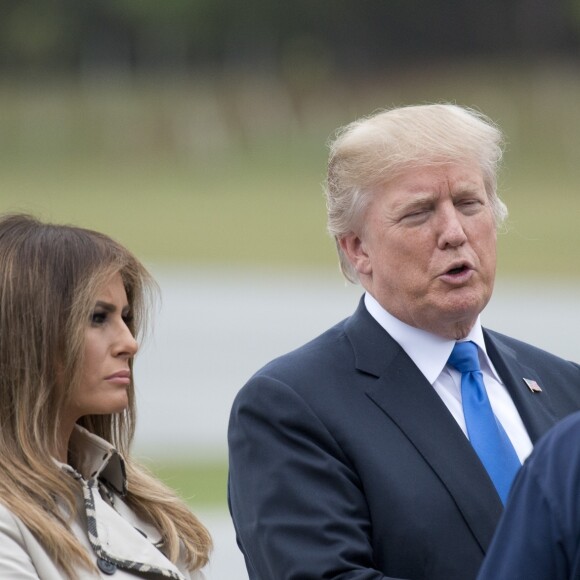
point(176, 36)
point(224, 106)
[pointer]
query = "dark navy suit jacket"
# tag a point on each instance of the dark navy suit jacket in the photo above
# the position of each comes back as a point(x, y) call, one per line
point(345, 463)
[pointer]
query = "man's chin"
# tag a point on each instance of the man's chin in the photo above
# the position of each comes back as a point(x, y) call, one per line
point(455, 318)
point(466, 301)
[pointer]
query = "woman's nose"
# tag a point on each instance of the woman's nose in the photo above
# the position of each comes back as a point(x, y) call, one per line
point(126, 344)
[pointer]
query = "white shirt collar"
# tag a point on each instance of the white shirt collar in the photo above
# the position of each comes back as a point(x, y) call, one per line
point(428, 351)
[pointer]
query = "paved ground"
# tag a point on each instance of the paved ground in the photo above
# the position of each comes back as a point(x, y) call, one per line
point(216, 327)
point(227, 562)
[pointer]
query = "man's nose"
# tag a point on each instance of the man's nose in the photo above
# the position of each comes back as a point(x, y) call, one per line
point(451, 231)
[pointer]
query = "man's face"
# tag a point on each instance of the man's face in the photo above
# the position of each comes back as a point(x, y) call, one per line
point(427, 248)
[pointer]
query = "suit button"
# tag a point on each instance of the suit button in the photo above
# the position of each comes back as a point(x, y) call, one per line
point(106, 567)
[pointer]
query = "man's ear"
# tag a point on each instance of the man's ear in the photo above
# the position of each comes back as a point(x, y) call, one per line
point(355, 251)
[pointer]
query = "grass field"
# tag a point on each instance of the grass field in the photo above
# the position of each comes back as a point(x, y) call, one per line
point(229, 171)
point(200, 483)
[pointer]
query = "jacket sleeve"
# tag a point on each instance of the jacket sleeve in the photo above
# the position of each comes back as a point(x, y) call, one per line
point(538, 535)
point(15, 561)
point(526, 543)
point(296, 502)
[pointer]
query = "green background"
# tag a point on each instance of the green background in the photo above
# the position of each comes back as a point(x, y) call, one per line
point(230, 173)
point(206, 173)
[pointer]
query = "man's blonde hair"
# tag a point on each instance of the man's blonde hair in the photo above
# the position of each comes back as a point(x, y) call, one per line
point(371, 151)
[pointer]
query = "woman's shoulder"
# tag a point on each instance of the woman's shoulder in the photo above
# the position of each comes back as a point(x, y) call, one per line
point(11, 524)
point(21, 554)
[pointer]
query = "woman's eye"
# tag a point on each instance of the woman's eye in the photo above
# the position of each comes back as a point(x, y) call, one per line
point(98, 318)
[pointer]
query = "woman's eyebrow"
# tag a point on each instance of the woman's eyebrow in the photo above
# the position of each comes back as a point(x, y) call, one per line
point(105, 306)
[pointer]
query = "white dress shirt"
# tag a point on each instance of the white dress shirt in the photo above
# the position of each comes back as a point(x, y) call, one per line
point(431, 352)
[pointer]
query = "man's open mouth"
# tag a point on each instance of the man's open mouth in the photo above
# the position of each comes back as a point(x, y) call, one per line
point(457, 270)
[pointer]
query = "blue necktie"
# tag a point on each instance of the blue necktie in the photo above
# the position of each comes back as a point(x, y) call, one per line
point(485, 432)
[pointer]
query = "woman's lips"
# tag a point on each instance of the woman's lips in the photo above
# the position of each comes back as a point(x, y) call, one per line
point(120, 378)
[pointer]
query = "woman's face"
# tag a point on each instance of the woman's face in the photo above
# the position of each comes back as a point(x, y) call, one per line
point(109, 346)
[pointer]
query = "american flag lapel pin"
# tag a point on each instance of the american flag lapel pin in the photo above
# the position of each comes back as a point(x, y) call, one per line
point(533, 386)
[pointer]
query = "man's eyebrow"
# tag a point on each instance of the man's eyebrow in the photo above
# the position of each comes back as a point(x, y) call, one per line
point(420, 199)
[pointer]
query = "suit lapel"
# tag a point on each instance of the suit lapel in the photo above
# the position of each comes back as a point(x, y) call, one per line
point(534, 408)
point(407, 399)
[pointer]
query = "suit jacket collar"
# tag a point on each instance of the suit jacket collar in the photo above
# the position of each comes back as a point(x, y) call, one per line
point(409, 400)
point(373, 347)
point(535, 409)
point(375, 351)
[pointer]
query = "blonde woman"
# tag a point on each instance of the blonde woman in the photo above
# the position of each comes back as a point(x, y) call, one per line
point(73, 503)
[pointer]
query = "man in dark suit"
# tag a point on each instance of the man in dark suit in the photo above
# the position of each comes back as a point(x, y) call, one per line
point(385, 447)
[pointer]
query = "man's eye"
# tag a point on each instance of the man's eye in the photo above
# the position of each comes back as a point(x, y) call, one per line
point(98, 318)
point(416, 215)
point(470, 204)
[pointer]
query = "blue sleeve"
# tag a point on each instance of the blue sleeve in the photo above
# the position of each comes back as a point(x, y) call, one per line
point(538, 536)
point(528, 542)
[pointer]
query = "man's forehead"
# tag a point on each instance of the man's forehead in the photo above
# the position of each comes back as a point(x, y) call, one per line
point(430, 179)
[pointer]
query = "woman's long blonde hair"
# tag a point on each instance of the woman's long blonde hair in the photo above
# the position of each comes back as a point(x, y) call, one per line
point(49, 276)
